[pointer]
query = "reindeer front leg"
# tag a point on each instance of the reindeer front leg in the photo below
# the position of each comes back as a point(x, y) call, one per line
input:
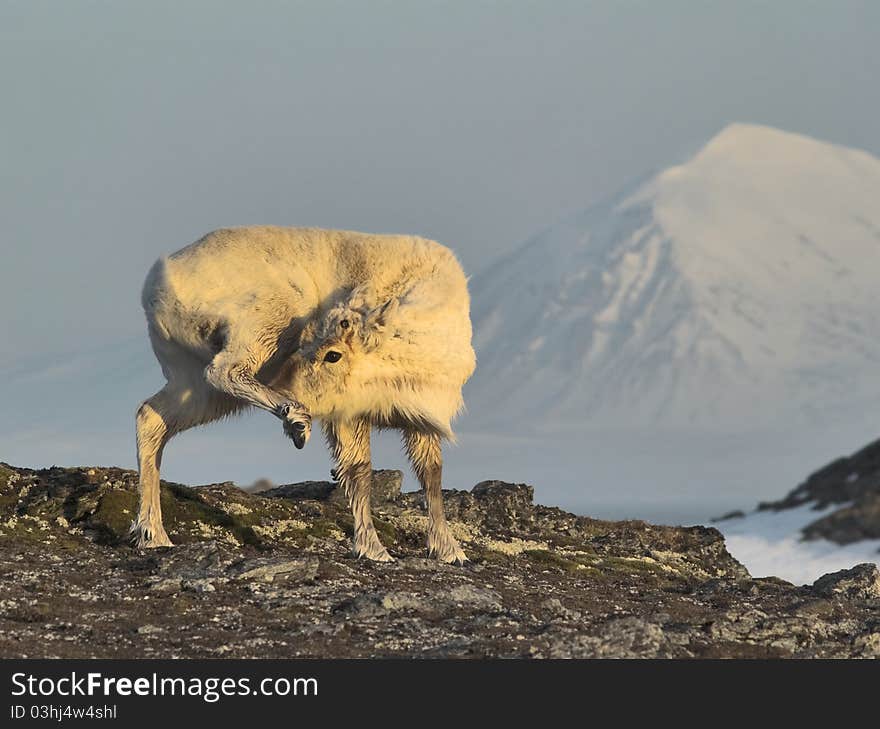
point(232, 371)
point(427, 462)
point(350, 443)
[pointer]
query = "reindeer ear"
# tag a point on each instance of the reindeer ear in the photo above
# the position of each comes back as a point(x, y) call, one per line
point(379, 323)
point(362, 298)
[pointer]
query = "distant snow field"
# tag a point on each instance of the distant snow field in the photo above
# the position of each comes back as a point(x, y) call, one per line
point(769, 543)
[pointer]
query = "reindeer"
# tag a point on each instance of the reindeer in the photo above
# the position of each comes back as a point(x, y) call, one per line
point(356, 330)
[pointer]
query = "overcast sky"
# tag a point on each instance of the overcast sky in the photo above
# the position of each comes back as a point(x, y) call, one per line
point(129, 129)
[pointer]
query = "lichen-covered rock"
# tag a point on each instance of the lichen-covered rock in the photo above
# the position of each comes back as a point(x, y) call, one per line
point(859, 582)
point(270, 574)
point(385, 488)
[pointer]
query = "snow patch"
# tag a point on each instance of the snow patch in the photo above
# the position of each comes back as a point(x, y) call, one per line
point(770, 543)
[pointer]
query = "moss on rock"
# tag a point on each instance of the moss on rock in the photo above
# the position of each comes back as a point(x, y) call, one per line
point(184, 509)
point(113, 516)
point(547, 558)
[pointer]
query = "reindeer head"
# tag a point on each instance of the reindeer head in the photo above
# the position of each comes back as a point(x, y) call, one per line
point(340, 353)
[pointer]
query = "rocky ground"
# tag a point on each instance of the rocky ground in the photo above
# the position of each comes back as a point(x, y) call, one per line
point(270, 575)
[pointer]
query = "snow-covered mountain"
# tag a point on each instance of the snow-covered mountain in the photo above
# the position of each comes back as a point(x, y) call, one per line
point(737, 288)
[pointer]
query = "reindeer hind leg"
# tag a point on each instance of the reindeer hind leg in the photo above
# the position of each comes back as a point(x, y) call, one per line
point(175, 408)
point(426, 458)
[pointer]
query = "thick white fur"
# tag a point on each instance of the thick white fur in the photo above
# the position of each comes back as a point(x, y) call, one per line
point(246, 316)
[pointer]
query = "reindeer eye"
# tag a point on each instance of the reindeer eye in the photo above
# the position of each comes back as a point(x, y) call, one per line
point(332, 356)
point(344, 324)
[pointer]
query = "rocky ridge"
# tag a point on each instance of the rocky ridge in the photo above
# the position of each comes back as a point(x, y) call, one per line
point(850, 486)
point(270, 574)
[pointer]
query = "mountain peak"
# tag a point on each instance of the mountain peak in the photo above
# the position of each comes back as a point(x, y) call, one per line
point(738, 134)
point(745, 275)
point(745, 144)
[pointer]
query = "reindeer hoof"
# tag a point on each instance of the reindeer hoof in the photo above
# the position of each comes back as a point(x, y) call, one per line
point(382, 556)
point(446, 550)
point(297, 423)
point(457, 557)
point(369, 547)
point(145, 537)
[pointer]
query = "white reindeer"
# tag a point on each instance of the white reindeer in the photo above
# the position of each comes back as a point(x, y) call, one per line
point(357, 330)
